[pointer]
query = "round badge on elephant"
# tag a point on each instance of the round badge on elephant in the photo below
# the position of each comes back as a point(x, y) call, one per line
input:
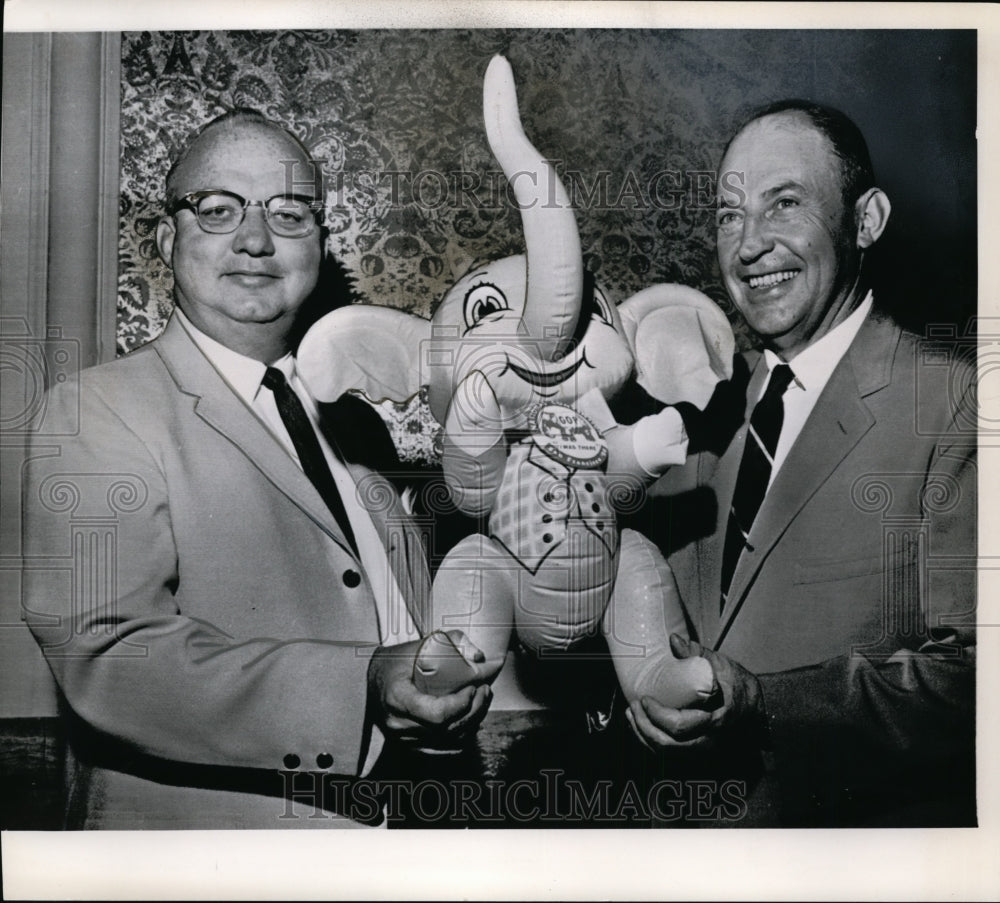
point(567, 436)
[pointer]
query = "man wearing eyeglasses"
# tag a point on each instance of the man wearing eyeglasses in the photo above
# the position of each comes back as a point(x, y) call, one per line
point(245, 632)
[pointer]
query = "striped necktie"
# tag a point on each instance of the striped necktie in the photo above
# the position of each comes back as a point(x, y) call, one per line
point(755, 470)
point(307, 447)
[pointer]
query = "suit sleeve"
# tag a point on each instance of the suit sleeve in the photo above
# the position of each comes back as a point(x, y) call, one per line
point(902, 716)
point(100, 600)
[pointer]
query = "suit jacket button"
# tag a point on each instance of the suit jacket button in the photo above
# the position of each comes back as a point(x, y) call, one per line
point(291, 761)
point(352, 578)
point(324, 760)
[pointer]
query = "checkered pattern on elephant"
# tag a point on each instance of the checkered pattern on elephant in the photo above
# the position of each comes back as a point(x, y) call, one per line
point(544, 508)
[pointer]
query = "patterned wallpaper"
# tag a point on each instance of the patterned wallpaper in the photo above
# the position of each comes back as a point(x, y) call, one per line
point(397, 119)
point(637, 118)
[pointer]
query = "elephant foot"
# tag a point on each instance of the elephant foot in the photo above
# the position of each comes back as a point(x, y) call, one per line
point(441, 667)
point(675, 682)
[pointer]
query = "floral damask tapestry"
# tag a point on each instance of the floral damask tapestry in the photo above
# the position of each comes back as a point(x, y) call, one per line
point(636, 121)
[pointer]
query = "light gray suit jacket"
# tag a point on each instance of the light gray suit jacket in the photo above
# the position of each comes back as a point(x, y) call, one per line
point(855, 601)
point(204, 616)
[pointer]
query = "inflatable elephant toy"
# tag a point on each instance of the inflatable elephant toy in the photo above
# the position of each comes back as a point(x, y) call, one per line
point(521, 358)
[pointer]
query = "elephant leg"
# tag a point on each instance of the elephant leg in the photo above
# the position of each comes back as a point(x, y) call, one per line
point(473, 593)
point(645, 608)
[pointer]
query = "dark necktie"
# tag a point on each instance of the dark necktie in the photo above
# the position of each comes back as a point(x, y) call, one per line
point(755, 470)
point(307, 447)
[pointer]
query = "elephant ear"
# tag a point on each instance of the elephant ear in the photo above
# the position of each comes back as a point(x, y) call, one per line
point(682, 342)
point(373, 350)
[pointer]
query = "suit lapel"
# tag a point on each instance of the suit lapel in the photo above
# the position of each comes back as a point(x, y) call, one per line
point(835, 426)
point(723, 476)
point(364, 443)
point(226, 413)
point(402, 541)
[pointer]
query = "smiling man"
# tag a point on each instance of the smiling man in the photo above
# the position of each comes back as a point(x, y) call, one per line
point(246, 628)
point(792, 229)
point(833, 587)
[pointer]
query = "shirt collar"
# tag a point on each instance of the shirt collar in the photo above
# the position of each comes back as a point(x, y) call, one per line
point(814, 366)
point(242, 373)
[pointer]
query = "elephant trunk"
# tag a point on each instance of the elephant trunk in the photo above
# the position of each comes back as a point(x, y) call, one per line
point(555, 262)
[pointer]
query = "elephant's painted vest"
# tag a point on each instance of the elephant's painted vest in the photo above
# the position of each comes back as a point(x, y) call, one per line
point(553, 516)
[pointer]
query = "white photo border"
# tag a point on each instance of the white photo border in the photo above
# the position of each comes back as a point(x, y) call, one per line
point(912, 864)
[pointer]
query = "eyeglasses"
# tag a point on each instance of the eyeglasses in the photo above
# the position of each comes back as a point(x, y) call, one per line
point(221, 212)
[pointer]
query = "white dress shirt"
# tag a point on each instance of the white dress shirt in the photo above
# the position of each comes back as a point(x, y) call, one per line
point(813, 368)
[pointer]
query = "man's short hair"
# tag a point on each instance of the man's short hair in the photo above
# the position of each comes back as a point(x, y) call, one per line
point(237, 116)
point(856, 172)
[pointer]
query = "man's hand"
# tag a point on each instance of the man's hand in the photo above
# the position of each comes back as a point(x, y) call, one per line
point(404, 713)
point(737, 703)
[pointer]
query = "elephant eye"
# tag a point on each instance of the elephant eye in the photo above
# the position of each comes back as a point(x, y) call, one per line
point(602, 308)
point(481, 301)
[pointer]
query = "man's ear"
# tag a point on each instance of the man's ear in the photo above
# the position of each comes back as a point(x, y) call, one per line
point(871, 214)
point(166, 231)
